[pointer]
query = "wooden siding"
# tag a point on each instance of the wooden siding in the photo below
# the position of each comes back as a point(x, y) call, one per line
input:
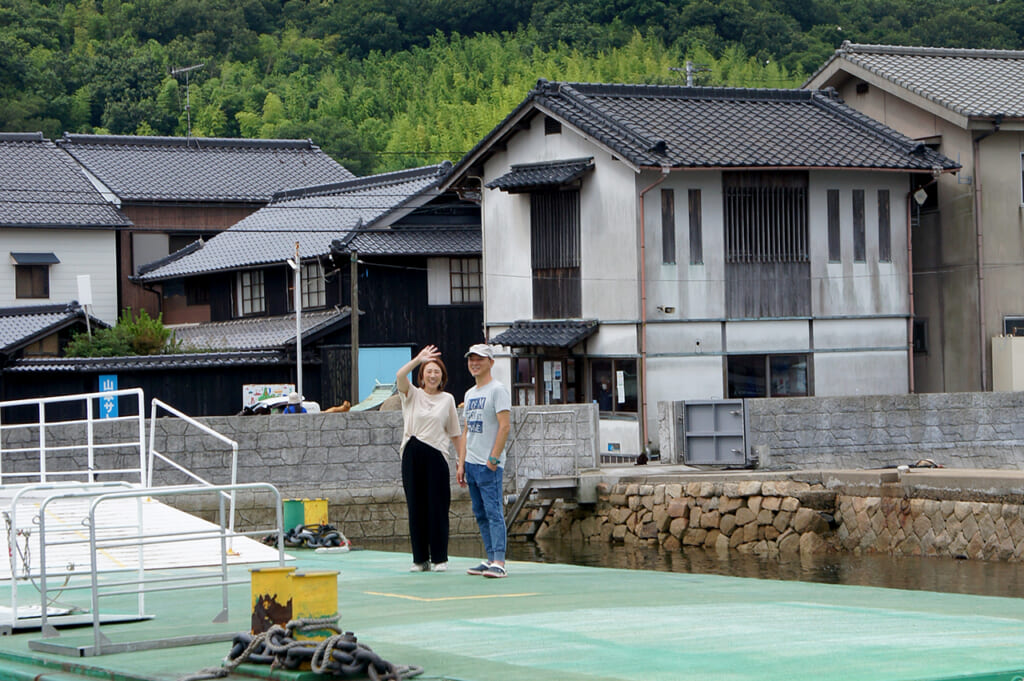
point(760, 290)
point(557, 293)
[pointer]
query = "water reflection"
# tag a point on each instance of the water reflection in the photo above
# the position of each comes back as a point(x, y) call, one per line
point(946, 575)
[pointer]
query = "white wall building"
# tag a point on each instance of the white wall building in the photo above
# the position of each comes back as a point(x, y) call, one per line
point(648, 243)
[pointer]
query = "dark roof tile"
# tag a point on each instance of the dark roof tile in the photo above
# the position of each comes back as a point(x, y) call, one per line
point(20, 326)
point(527, 177)
point(546, 334)
point(255, 333)
point(201, 169)
point(41, 187)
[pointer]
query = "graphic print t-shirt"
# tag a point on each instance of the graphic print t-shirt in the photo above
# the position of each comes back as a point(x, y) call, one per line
point(481, 413)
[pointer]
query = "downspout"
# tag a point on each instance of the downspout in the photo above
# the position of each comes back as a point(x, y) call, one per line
point(979, 232)
point(910, 294)
point(643, 311)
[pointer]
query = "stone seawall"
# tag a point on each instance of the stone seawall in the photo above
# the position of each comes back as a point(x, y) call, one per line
point(963, 514)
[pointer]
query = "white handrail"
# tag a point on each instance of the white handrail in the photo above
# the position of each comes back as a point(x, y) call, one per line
point(153, 453)
point(88, 469)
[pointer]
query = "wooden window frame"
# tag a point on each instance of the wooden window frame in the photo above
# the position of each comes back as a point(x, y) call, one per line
point(32, 281)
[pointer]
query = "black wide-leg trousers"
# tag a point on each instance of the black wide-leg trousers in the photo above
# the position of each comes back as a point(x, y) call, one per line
point(428, 495)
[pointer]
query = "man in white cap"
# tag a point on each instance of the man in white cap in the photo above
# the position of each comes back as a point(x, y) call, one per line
point(488, 411)
point(294, 404)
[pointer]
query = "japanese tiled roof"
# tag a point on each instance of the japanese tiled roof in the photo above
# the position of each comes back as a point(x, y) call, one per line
point(698, 127)
point(191, 169)
point(441, 240)
point(313, 216)
point(199, 360)
point(546, 334)
point(256, 333)
point(530, 176)
point(40, 186)
point(20, 326)
point(973, 83)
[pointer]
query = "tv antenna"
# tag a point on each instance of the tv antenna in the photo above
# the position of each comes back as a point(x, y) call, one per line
point(188, 101)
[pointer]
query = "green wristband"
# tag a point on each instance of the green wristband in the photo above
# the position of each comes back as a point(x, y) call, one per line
point(493, 460)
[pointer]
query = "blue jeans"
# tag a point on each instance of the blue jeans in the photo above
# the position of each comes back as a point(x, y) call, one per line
point(485, 491)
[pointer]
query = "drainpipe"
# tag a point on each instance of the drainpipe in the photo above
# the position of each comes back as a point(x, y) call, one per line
point(643, 310)
point(910, 294)
point(979, 233)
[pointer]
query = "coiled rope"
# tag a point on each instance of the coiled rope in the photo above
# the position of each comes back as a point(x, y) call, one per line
point(338, 655)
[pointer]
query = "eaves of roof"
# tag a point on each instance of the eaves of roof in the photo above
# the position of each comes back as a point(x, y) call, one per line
point(259, 333)
point(22, 326)
point(206, 360)
point(968, 83)
point(313, 217)
point(419, 241)
point(546, 334)
point(674, 127)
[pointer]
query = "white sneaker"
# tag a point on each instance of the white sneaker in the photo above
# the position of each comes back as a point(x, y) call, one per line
point(440, 567)
point(420, 567)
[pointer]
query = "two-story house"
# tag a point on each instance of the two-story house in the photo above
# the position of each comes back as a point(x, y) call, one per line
point(55, 227)
point(179, 189)
point(655, 243)
point(398, 233)
point(968, 229)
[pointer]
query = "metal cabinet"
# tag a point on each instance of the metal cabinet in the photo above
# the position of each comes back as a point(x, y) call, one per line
point(715, 433)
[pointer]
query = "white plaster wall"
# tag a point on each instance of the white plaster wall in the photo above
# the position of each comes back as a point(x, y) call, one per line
point(858, 288)
point(862, 373)
point(623, 433)
point(89, 252)
point(695, 291)
point(614, 339)
point(755, 337)
point(608, 207)
point(670, 379)
point(849, 334)
point(684, 338)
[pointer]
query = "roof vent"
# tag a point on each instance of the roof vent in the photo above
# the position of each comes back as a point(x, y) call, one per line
point(659, 147)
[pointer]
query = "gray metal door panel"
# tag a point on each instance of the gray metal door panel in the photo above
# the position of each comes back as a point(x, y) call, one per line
point(715, 433)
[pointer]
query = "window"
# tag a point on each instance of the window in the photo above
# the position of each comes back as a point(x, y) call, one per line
point(555, 254)
point(859, 247)
point(884, 227)
point(834, 247)
point(668, 226)
point(613, 385)
point(32, 281)
point(544, 380)
point(314, 288)
point(32, 274)
point(551, 126)
point(920, 336)
point(1013, 326)
point(696, 228)
point(767, 261)
point(250, 293)
point(466, 281)
point(767, 376)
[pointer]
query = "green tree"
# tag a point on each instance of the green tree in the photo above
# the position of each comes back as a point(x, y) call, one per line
point(132, 335)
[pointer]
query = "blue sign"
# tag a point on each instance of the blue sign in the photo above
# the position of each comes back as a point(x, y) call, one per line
point(108, 405)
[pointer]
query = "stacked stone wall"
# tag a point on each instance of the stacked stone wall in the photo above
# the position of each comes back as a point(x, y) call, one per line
point(772, 517)
point(757, 517)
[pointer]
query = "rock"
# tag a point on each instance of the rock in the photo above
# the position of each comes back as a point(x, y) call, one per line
point(745, 516)
point(811, 544)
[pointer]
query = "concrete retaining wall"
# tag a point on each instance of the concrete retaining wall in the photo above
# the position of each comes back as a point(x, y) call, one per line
point(350, 459)
point(958, 430)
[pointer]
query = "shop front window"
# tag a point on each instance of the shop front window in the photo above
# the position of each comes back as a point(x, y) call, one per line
point(767, 376)
point(614, 385)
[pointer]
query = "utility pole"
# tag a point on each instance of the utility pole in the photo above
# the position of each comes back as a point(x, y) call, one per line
point(296, 266)
point(188, 100)
point(353, 317)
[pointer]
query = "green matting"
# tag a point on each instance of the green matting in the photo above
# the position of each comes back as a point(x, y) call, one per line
point(570, 623)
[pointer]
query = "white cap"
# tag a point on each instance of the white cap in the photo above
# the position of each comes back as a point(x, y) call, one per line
point(294, 398)
point(481, 349)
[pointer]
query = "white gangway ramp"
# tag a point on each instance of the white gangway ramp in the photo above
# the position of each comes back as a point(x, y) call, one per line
point(67, 534)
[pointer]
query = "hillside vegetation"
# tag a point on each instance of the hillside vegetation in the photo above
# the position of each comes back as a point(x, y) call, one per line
point(386, 84)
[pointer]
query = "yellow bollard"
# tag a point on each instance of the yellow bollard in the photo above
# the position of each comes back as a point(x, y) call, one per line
point(272, 597)
point(315, 511)
point(315, 596)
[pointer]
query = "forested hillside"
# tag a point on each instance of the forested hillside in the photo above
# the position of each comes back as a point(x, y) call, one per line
point(385, 84)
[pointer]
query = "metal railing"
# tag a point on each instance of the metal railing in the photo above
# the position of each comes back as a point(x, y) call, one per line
point(131, 533)
point(47, 451)
point(154, 454)
point(20, 555)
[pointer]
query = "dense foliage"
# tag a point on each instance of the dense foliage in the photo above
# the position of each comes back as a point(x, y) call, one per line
point(384, 84)
point(132, 335)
